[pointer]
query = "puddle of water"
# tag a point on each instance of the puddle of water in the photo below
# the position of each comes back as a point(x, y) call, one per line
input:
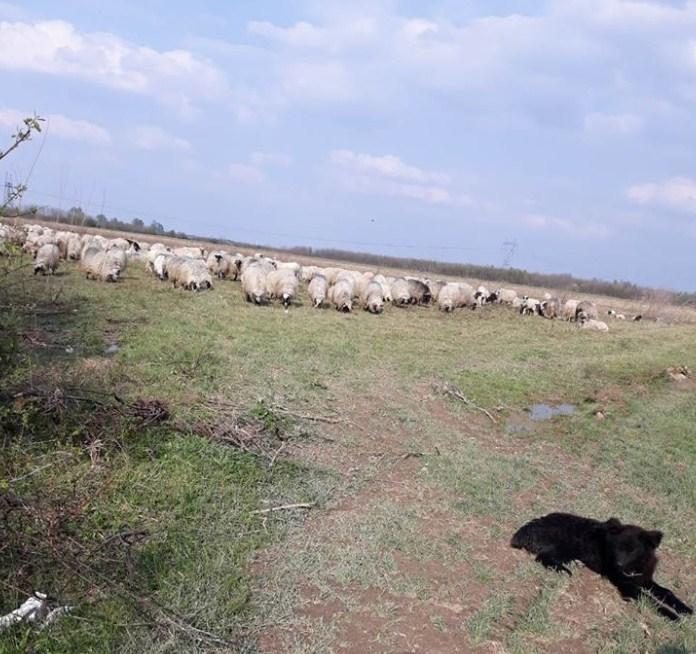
point(546, 411)
point(513, 427)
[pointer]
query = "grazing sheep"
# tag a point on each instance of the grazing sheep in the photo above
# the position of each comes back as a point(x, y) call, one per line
point(550, 308)
point(308, 272)
point(505, 296)
point(152, 254)
point(418, 291)
point(594, 325)
point(263, 262)
point(372, 298)
point(254, 282)
point(74, 248)
point(282, 284)
point(100, 264)
point(191, 274)
point(317, 290)
point(332, 274)
point(586, 310)
point(386, 286)
point(530, 306)
point(569, 309)
point(362, 282)
point(454, 296)
point(119, 255)
point(47, 257)
point(341, 295)
point(159, 267)
point(400, 292)
point(220, 264)
point(292, 266)
point(190, 252)
point(435, 288)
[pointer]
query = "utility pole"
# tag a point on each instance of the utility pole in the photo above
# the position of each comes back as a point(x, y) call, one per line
point(509, 249)
point(8, 190)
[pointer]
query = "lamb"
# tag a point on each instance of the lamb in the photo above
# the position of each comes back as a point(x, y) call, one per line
point(569, 309)
point(372, 298)
point(550, 308)
point(529, 306)
point(100, 264)
point(623, 554)
point(220, 264)
point(317, 290)
point(47, 257)
point(282, 285)
point(586, 310)
point(594, 325)
point(341, 295)
point(482, 295)
point(617, 316)
point(254, 282)
point(191, 274)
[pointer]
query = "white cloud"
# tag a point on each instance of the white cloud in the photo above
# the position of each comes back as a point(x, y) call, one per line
point(55, 47)
point(60, 126)
point(301, 34)
point(602, 124)
point(245, 174)
point(388, 175)
point(677, 193)
point(271, 159)
point(151, 137)
point(573, 228)
point(388, 166)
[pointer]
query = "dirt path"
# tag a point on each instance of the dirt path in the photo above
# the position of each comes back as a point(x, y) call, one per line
point(393, 566)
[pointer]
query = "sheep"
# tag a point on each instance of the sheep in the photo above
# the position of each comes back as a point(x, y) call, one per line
point(294, 267)
point(482, 295)
point(435, 288)
point(282, 285)
point(190, 252)
point(220, 264)
point(362, 282)
point(254, 283)
point(152, 254)
point(418, 291)
point(100, 264)
point(550, 308)
point(308, 272)
point(119, 255)
point(47, 259)
point(586, 310)
point(400, 292)
point(159, 267)
point(530, 306)
point(617, 316)
point(267, 264)
point(594, 325)
point(332, 274)
point(74, 247)
point(505, 295)
point(189, 273)
point(454, 296)
point(317, 290)
point(341, 295)
point(569, 309)
point(372, 298)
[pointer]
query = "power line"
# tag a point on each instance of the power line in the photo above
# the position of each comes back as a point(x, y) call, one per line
point(297, 237)
point(509, 249)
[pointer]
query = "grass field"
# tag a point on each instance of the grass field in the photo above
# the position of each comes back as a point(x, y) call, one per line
point(146, 524)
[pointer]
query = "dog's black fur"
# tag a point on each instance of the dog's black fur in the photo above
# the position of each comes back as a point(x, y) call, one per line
point(623, 554)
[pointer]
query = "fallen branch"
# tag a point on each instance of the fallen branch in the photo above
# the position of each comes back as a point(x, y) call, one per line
point(305, 416)
point(454, 392)
point(285, 507)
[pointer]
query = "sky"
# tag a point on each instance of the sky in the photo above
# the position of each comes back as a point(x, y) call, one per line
point(441, 129)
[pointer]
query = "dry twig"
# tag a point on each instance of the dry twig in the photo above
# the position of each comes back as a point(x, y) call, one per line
point(456, 393)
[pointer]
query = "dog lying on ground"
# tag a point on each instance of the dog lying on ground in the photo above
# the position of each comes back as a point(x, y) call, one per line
point(623, 554)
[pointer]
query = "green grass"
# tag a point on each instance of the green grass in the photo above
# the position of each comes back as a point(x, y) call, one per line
point(378, 376)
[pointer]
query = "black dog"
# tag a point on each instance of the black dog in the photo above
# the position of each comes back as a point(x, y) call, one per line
point(624, 554)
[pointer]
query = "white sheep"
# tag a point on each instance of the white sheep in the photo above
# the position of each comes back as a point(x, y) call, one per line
point(505, 295)
point(220, 264)
point(100, 264)
point(341, 295)
point(569, 309)
point(47, 257)
point(189, 273)
point(400, 292)
point(282, 284)
point(254, 282)
point(454, 296)
point(373, 298)
point(530, 306)
point(159, 267)
point(74, 247)
point(317, 290)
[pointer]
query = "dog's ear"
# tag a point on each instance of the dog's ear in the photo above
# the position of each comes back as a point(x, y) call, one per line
point(613, 524)
point(654, 538)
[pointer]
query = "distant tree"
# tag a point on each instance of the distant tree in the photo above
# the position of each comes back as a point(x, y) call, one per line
point(156, 228)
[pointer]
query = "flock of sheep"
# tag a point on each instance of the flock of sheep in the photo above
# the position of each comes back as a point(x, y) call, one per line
point(264, 279)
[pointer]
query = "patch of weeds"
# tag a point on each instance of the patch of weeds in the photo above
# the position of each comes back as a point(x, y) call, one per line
point(484, 623)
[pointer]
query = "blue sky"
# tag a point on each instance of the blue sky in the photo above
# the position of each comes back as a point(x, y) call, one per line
point(433, 129)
